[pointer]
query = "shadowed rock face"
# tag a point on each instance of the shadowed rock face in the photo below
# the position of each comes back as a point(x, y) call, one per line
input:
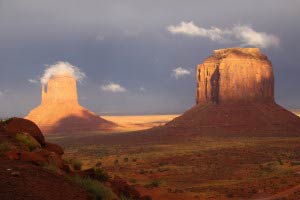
point(235, 75)
point(60, 111)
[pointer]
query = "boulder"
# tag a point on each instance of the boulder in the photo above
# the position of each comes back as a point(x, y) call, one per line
point(54, 148)
point(33, 157)
point(122, 188)
point(19, 125)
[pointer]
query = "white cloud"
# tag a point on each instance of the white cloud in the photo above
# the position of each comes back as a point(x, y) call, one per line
point(33, 81)
point(1, 93)
point(142, 89)
point(113, 87)
point(100, 37)
point(245, 35)
point(60, 68)
point(180, 72)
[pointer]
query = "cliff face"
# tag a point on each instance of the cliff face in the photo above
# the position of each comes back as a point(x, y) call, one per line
point(235, 75)
point(60, 89)
point(60, 111)
point(235, 95)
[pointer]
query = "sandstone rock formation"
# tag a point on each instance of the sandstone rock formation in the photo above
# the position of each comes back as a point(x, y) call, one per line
point(60, 111)
point(235, 94)
point(235, 75)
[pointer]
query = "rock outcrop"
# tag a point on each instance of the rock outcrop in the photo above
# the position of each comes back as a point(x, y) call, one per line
point(33, 169)
point(60, 111)
point(235, 95)
point(235, 75)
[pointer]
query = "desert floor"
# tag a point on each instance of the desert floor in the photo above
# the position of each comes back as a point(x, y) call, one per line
point(255, 168)
point(139, 122)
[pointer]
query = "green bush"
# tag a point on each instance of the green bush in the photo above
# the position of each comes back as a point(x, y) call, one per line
point(133, 180)
point(4, 147)
point(125, 198)
point(51, 168)
point(295, 163)
point(97, 189)
point(163, 163)
point(76, 164)
point(153, 184)
point(116, 162)
point(27, 140)
point(4, 122)
point(98, 164)
point(101, 175)
point(142, 171)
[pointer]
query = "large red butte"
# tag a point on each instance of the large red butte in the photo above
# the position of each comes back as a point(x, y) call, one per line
point(235, 95)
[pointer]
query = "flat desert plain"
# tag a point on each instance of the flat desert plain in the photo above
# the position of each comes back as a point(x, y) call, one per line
point(139, 122)
point(255, 168)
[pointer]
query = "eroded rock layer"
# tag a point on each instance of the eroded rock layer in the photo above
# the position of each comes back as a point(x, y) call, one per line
point(235, 75)
point(60, 111)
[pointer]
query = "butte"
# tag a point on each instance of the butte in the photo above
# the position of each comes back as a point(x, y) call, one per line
point(60, 111)
point(235, 96)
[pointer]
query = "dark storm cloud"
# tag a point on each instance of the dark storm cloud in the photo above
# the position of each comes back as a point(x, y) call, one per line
point(127, 43)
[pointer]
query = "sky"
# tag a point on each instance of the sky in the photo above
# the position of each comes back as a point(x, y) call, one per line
point(138, 56)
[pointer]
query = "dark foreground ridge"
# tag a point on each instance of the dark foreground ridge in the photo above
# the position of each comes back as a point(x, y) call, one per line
point(33, 169)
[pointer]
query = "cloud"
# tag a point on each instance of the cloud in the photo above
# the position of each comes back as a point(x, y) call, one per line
point(60, 68)
point(1, 93)
point(180, 72)
point(32, 81)
point(142, 89)
point(113, 87)
point(242, 34)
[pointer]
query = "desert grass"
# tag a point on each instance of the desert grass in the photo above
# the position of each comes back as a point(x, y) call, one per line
point(207, 167)
point(28, 141)
point(95, 188)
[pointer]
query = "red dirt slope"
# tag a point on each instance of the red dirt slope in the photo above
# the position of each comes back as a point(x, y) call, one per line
point(236, 119)
point(24, 181)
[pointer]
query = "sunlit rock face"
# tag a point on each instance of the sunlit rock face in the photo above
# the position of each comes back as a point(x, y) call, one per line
point(60, 111)
point(235, 75)
point(60, 89)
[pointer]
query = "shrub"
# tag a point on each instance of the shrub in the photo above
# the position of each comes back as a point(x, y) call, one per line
point(27, 140)
point(98, 164)
point(126, 159)
point(116, 162)
point(95, 188)
point(101, 175)
point(154, 183)
point(134, 159)
point(133, 180)
point(295, 163)
point(4, 147)
point(280, 161)
point(51, 168)
point(142, 171)
point(4, 122)
point(163, 163)
point(125, 198)
point(76, 164)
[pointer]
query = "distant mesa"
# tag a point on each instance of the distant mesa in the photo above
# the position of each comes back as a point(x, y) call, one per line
point(60, 111)
point(235, 95)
